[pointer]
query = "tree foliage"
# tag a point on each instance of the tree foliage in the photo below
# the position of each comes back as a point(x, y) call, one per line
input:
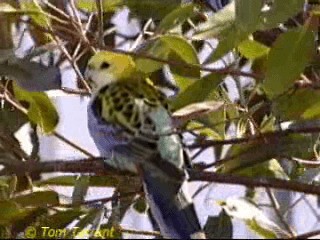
point(267, 50)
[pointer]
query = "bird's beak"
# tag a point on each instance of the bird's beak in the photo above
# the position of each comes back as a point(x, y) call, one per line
point(87, 76)
point(87, 73)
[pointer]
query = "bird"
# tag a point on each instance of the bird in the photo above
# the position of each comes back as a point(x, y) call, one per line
point(130, 121)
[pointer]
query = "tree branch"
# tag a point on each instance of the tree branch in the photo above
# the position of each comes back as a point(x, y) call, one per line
point(265, 137)
point(98, 167)
point(255, 182)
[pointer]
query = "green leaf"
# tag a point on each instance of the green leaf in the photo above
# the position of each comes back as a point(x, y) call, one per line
point(95, 181)
point(80, 189)
point(221, 25)
point(176, 17)
point(41, 111)
point(219, 227)
point(238, 28)
point(59, 181)
point(196, 110)
point(36, 216)
point(38, 199)
point(281, 11)
point(243, 209)
point(182, 82)
point(244, 21)
point(40, 18)
point(228, 41)
point(168, 47)
point(4, 190)
point(271, 169)
point(218, 120)
point(33, 5)
point(182, 51)
point(232, 25)
point(252, 49)
point(11, 211)
point(246, 155)
point(154, 48)
point(287, 59)
point(6, 8)
point(10, 11)
point(199, 91)
point(219, 22)
point(261, 230)
point(140, 205)
point(302, 104)
point(104, 181)
point(11, 119)
point(203, 130)
point(107, 5)
point(12, 181)
point(155, 9)
point(181, 47)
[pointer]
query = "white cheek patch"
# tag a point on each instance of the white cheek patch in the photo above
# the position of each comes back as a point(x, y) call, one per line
point(101, 79)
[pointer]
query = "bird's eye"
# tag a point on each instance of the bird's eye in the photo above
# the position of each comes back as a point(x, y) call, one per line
point(104, 65)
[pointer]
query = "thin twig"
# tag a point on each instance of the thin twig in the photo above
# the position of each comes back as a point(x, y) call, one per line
point(255, 138)
point(103, 200)
point(70, 143)
point(200, 189)
point(307, 235)
point(315, 162)
point(276, 208)
point(76, 14)
point(100, 23)
point(140, 36)
point(254, 182)
point(57, 10)
point(73, 64)
point(75, 91)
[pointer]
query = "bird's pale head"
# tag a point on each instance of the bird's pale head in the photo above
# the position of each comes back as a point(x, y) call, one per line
point(108, 67)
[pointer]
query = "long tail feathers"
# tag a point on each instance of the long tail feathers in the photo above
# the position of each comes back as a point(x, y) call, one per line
point(171, 208)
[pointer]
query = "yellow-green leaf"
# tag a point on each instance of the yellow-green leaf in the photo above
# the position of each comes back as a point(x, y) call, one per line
point(219, 227)
point(95, 181)
point(287, 59)
point(155, 9)
point(244, 21)
point(40, 18)
point(38, 199)
point(301, 104)
point(173, 48)
point(10, 212)
point(252, 49)
point(280, 11)
point(216, 24)
point(107, 5)
point(41, 111)
point(176, 17)
point(199, 91)
point(140, 205)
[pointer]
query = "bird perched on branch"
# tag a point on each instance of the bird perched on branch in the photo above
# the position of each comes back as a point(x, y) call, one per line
point(131, 125)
